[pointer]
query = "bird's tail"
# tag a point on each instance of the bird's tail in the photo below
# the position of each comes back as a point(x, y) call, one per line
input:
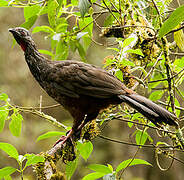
point(149, 109)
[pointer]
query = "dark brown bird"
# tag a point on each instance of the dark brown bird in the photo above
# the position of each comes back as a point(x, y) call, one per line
point(84, 89)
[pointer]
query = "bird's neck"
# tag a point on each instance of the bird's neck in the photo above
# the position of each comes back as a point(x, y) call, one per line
point(38, 64)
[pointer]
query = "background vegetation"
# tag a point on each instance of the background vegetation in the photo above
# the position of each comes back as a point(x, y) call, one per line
point(141, 42)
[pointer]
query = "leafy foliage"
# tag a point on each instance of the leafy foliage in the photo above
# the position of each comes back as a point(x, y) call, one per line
point(176, 18)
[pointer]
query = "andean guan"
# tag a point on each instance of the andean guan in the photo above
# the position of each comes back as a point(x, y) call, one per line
point(84, 89)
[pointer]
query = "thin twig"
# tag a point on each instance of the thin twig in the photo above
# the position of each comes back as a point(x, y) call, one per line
point(111, 12)
point(133, 144)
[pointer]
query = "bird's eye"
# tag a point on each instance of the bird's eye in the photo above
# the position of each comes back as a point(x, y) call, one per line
point(23, 33)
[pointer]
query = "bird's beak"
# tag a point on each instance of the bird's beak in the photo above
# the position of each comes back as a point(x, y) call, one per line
point(12, 30)
point(15, 34)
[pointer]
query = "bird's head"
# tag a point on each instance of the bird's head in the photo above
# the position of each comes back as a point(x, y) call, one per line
point(22, 36)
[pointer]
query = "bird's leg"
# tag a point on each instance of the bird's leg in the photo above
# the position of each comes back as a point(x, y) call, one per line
point(71, 134)
point(63, 139)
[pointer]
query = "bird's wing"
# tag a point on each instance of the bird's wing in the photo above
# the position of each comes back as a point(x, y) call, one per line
point(83, 79)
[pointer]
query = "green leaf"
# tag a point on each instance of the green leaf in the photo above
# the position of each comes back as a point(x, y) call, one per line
point(119, 75)
point(109, 20)
point(43, 51)
point(155, 76)
point(62, 26)
point(179, 38)
point(3, 97)
point(6, 171)
point(15, 125)
point(28, 24)
point(178, 64)
point(115, 49)
point(71, 167)
point(135, 51)
point(93, 176)
point(100, 168)
point(141, 137)
point(84, 7)
point(125, 163)
point(87, 25)
point(3, 116)
point(30, 11)
point(52, 6)
point(43, 29)
point(81, 51)
point(127, 42)
point(62, 51)
point(176, 18)
point(10, 150)
point(74, 2)
point(86, 42)
point(126, 62)
point(33, 159)
point(156, 95)
point(3, 3)
point(110, 167)
point(85, 149)
point(8, 177)
point(50, 134)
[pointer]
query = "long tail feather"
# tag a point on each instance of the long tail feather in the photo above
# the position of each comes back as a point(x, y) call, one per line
point(149, 109)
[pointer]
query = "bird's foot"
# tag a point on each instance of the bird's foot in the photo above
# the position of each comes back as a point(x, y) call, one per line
point(62, 140)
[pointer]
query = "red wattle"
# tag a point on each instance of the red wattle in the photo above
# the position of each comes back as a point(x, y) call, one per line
point(23, 46)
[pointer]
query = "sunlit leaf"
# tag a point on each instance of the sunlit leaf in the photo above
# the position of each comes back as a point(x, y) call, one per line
point(3, 97)
point(87, 24)
point(141, 137)
point(52, 6)
point(178, 64)
point(3, 3)
point(6, 171)
point(126, 62)
point(93, 176)
point(30, 22)
point(43, 29)
point(100, 168)
point(109, 20)
point(30, 11)
point(131, 162)
point(135, 51)
point(33, 159)
point(8, 177)
point(50, 134)
point(15, 125)
point(128, 41)
point(119, 75)
point(71, 167)
point(85, 149)
point(3, 116)
point(179, 38)
point(156, 95)
point(175, 18)
point(10, 150)
point(43, 51)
